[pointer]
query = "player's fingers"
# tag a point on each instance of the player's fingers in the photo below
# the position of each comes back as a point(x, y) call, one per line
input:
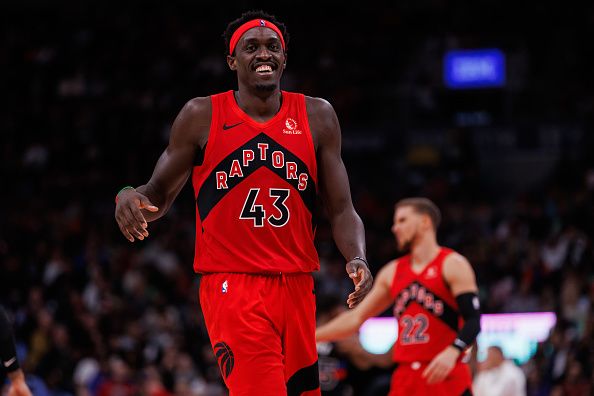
point(357, 279)
point(366, 279)
point(365, 283)
point(126, 233)
point(349, 300)
point(441, 375)
point(122, 224)
point(355, 296)
point(428, 370)
point(148, 205)
point(133, 216)
point(136, 233)
point(131, 225)
point(431, 377)
point(139, 221)
point(350, 303)
point(353, 275)
point(354, 301)
point(360, 292)
point(362, 274)
point(352, 268)
point(437, 376)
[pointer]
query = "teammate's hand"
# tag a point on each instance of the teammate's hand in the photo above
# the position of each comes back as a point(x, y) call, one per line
point(361, 276)
point(441, 365)
point(129, 216)
point(18, 386)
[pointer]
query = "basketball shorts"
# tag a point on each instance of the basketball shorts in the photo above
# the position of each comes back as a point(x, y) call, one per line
point(262, 330)
point(407, 380)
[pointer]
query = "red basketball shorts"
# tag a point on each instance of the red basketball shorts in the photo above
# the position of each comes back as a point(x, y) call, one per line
point(262, 330)
point(407, 381)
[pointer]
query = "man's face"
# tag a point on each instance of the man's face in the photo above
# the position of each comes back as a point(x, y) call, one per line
point(259, 59)
point(406, 227)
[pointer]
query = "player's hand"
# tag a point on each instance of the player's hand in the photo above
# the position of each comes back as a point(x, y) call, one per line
point(361, 276)
point(129, 216)
point(18, 386)
point(441, 365)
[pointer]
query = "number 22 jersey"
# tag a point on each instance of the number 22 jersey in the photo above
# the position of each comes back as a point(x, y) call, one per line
point(426, 310)
point(255, 191)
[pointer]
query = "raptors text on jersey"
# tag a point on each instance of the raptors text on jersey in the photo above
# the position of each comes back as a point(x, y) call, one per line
point(255, 191)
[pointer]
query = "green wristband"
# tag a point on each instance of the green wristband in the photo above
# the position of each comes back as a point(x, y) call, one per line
point(124, 188)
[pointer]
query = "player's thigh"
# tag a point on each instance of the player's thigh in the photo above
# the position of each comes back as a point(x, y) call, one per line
point(245, 341)
point(301, 357)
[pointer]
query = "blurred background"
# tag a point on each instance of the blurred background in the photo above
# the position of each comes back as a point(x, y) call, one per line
point(501, 139)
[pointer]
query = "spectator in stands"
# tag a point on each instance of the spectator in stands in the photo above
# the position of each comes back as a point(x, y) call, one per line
point(498, 376)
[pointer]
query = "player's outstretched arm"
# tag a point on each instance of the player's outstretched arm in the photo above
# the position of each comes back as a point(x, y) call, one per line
point(361, 358)
point(135, 207)
point(459, 275)
point(347, 227)
point(348, 322)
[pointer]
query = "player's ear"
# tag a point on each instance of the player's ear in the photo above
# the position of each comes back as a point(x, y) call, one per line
point(231, 62)
point(285, 62)
point(427, 223)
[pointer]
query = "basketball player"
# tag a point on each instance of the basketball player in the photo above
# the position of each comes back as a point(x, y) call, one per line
point(18, 386)
point(436, 304)
point(257, 157)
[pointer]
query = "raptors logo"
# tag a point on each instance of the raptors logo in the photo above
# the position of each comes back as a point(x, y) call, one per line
point(225, 358)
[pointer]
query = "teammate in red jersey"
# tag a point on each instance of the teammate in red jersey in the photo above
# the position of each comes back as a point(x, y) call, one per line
point(258, 156)
point(434, 293)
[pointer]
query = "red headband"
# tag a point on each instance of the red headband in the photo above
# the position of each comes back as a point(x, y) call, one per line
point(250, 25)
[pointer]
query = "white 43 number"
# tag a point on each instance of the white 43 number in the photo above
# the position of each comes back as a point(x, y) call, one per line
point(257, 213)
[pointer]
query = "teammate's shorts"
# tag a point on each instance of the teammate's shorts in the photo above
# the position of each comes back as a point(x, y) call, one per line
point(262, 330)
point(407, 381)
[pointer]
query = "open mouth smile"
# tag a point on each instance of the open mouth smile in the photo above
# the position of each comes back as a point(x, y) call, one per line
point(264, 70)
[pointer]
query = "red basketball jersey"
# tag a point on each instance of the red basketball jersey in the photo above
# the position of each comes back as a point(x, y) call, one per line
point(255, 191)
point(426, 311)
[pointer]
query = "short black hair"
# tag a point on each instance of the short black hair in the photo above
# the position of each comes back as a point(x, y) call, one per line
point(248, 16)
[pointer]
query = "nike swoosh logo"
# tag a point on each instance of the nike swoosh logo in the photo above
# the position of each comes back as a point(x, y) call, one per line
point(9, 362)
point(225, 126)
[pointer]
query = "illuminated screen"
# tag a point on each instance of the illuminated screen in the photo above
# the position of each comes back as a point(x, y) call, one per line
point(517, 334)
point(377, 335)
point(474, 69)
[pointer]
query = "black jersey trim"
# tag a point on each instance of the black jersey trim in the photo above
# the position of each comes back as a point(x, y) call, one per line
point(305, 379)
point(199, 155)
point(209, 196)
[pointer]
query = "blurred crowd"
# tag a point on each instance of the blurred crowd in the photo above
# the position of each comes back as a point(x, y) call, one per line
point(89, 92)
